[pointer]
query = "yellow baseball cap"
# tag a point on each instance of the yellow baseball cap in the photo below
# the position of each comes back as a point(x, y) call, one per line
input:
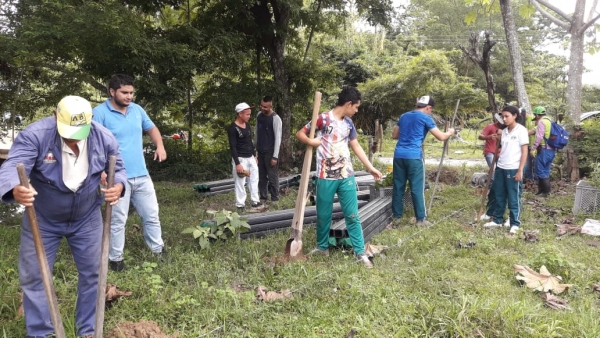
point(74, 118)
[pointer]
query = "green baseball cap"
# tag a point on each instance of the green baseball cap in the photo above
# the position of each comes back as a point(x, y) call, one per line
point(539, 110)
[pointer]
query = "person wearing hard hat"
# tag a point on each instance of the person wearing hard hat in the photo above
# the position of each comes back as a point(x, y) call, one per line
point(544, 154)
point(65, 157)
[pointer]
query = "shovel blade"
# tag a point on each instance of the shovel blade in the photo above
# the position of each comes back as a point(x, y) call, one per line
point(293, 247)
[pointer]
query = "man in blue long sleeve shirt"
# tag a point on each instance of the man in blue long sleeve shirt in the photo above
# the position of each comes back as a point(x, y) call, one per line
point(64, 156)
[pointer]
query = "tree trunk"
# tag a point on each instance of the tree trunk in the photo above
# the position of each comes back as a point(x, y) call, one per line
point(483, 61)
point(515, 54)
point(283, 94)
point(576, 64)
point(572, 165)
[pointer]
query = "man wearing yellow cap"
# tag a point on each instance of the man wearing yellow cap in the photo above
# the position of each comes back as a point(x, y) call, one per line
point(64, 156)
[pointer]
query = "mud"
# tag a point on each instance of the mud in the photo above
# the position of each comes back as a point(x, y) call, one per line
point(141, 329)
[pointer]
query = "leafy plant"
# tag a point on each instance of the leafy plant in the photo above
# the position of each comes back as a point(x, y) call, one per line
point(225, 224)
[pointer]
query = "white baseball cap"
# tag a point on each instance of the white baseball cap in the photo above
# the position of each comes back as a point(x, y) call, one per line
point(241, 107)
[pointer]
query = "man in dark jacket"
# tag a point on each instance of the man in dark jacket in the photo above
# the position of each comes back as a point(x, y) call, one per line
point(268, 140)
point(64, 156)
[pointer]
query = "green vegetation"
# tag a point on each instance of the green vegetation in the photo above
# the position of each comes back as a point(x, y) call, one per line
point(225, 224)
point(423, 285)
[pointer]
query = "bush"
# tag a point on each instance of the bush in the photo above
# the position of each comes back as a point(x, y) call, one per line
point(202, 163)
point(587, 146)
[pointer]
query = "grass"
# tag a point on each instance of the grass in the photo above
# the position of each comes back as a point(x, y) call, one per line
point(471, 148)
point(421, 286)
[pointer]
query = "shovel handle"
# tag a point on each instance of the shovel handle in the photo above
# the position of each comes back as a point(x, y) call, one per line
point(488, 181)
point(103, 272)
point(298, 220)
point(59, 330)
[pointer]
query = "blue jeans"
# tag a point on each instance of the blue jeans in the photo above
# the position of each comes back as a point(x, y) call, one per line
point(529, 169)
point(140, 191)
point(412, 170)
point(543, 162)
point(489, 158)
point(84, 239)
point(507, 192)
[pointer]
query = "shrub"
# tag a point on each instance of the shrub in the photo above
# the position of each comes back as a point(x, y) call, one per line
point(587, 146)
point(225, 224)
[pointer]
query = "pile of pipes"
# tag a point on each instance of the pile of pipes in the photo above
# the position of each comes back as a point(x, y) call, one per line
point(227, 185)
point(374, 217)
point(363, 180)
point(262, 224)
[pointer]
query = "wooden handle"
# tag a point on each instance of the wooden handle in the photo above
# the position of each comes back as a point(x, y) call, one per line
point(298, 219)
point(488, 182)
point(59, 330)
point(103, 272)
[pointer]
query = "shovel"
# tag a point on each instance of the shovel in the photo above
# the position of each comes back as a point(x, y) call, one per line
point(102, 273)
point(59, 330)
point(293, 247)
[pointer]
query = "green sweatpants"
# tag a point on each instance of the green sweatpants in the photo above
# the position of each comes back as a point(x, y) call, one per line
point(346, 191)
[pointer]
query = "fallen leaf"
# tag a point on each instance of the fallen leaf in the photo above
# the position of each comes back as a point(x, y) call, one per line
point(113, 293)
point(351, 333)
point(531, 235)
point(567, 229)
point(371, 250)
point(266, 296)
point(554, 302)
point(593, 243)
point(596, 288)
point(137, 227)
point(543, 281)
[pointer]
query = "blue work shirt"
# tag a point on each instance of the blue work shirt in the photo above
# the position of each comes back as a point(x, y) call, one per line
point(128, 128)
point(39, 148)
point(414, 126)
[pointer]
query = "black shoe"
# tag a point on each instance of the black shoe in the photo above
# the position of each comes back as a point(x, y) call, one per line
point(117, 266)
point(256, 204)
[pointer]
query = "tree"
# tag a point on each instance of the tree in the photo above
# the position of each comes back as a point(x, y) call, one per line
point(575, 26)
point(271, 26)
point(515, 54)
point(482, 59)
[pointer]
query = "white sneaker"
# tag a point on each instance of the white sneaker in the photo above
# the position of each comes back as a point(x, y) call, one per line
point(484, 217)
point(365, 260)
point(507, 223)
point(491, 224)
point(513, 230)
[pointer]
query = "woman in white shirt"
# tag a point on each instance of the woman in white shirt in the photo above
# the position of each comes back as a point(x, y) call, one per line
point(508, 177)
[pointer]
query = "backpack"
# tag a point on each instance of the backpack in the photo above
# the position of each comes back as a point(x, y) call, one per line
point(559, 137)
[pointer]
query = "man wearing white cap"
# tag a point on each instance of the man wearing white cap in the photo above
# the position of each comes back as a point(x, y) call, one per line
point(64, 156)
point(243, 158)
point(410, 131)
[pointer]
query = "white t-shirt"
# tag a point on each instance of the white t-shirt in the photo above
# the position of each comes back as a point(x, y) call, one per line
point(75, 168)
point(510, 155)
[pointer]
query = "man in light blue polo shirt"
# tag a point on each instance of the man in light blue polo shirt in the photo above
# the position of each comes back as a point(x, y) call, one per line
point(128, 121)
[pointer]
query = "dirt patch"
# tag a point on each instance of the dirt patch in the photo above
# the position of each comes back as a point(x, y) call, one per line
point(283, 259)
point(447, 176)
point(239, 287)
point(141, 329)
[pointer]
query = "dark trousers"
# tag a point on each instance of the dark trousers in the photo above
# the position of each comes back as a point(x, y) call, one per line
point(268, 177)
point(508, 193)
point(413, 171)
